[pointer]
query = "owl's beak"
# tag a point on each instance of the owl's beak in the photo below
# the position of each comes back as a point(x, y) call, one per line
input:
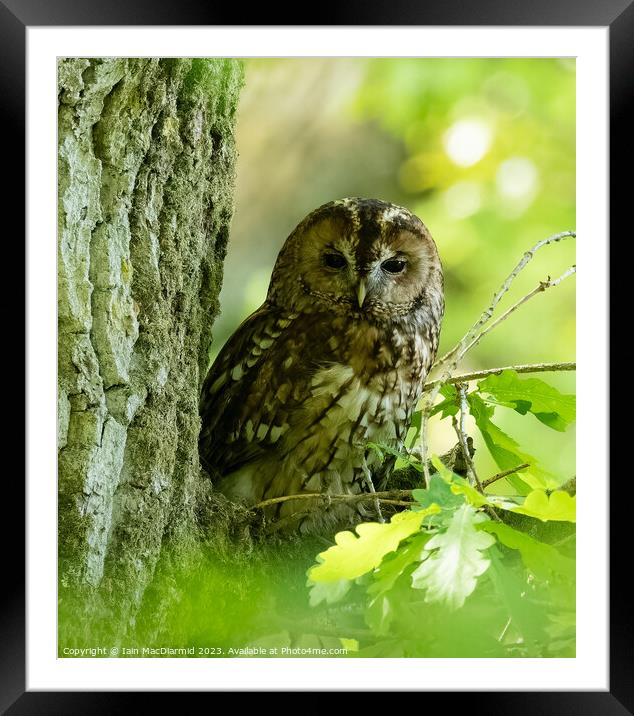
point(361, 291)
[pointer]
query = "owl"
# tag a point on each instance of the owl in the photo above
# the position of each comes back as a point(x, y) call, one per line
point(335, 358)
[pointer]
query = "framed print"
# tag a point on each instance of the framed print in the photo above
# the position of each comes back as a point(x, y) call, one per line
point(317, 337)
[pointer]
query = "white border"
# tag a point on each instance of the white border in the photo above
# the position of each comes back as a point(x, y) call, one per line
point(589, 670)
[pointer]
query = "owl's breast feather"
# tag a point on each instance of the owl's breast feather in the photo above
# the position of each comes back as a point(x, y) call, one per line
point(357, 394)
point(343, 413)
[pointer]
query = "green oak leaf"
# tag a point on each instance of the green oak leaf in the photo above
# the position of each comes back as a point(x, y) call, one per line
point(506, 451)
point(392, 567)
point(449, 406)
point(527, 614)
point(354, 555)
point(559, 506)
point(444, 472)
point(450, 572)
point(439, 491)
point(546, 403)
point(542, 559)
point(402, 457)
point(472, 496)
point(329, 592)
point(415, 425)
point(379, 614)
point(461, 489)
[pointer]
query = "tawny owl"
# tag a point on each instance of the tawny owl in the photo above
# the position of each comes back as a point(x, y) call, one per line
point(336, 357)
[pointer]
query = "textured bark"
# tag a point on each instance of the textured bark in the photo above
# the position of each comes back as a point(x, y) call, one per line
point(146, 172)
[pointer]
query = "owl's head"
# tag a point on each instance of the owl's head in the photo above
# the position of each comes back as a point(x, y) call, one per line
point(362, 256)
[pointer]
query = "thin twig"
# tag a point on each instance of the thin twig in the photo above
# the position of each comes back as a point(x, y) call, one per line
point(506, 473)
point(528, 368)
point(368, 481)
point(543, 285)
point(459, 427)
point(424, 419)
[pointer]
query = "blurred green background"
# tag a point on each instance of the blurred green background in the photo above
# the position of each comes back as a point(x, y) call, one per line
point(482, 150)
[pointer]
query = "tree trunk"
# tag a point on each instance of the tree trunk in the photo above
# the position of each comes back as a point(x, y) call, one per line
point(146, 174)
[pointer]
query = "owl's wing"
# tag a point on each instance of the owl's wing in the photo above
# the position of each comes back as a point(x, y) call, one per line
point(261, 375)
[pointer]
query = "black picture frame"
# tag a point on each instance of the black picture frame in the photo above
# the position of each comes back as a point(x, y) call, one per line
point(17, 15)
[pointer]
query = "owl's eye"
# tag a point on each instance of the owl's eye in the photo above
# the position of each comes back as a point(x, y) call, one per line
point(393, 265)
point(334, 261)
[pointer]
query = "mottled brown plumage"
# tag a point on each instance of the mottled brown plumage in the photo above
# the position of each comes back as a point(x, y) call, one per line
point(335, 357)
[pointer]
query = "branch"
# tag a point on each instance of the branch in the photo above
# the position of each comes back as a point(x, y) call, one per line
point(528, 368)
point(387, 495)
point(506, 473)
point(462, 437)
point(391, 497)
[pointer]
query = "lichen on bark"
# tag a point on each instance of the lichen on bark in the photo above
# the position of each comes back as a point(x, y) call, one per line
point(145, 178)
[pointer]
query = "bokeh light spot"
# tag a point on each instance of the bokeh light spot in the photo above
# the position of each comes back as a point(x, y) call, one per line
point(467, 141)
point(517, 178)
